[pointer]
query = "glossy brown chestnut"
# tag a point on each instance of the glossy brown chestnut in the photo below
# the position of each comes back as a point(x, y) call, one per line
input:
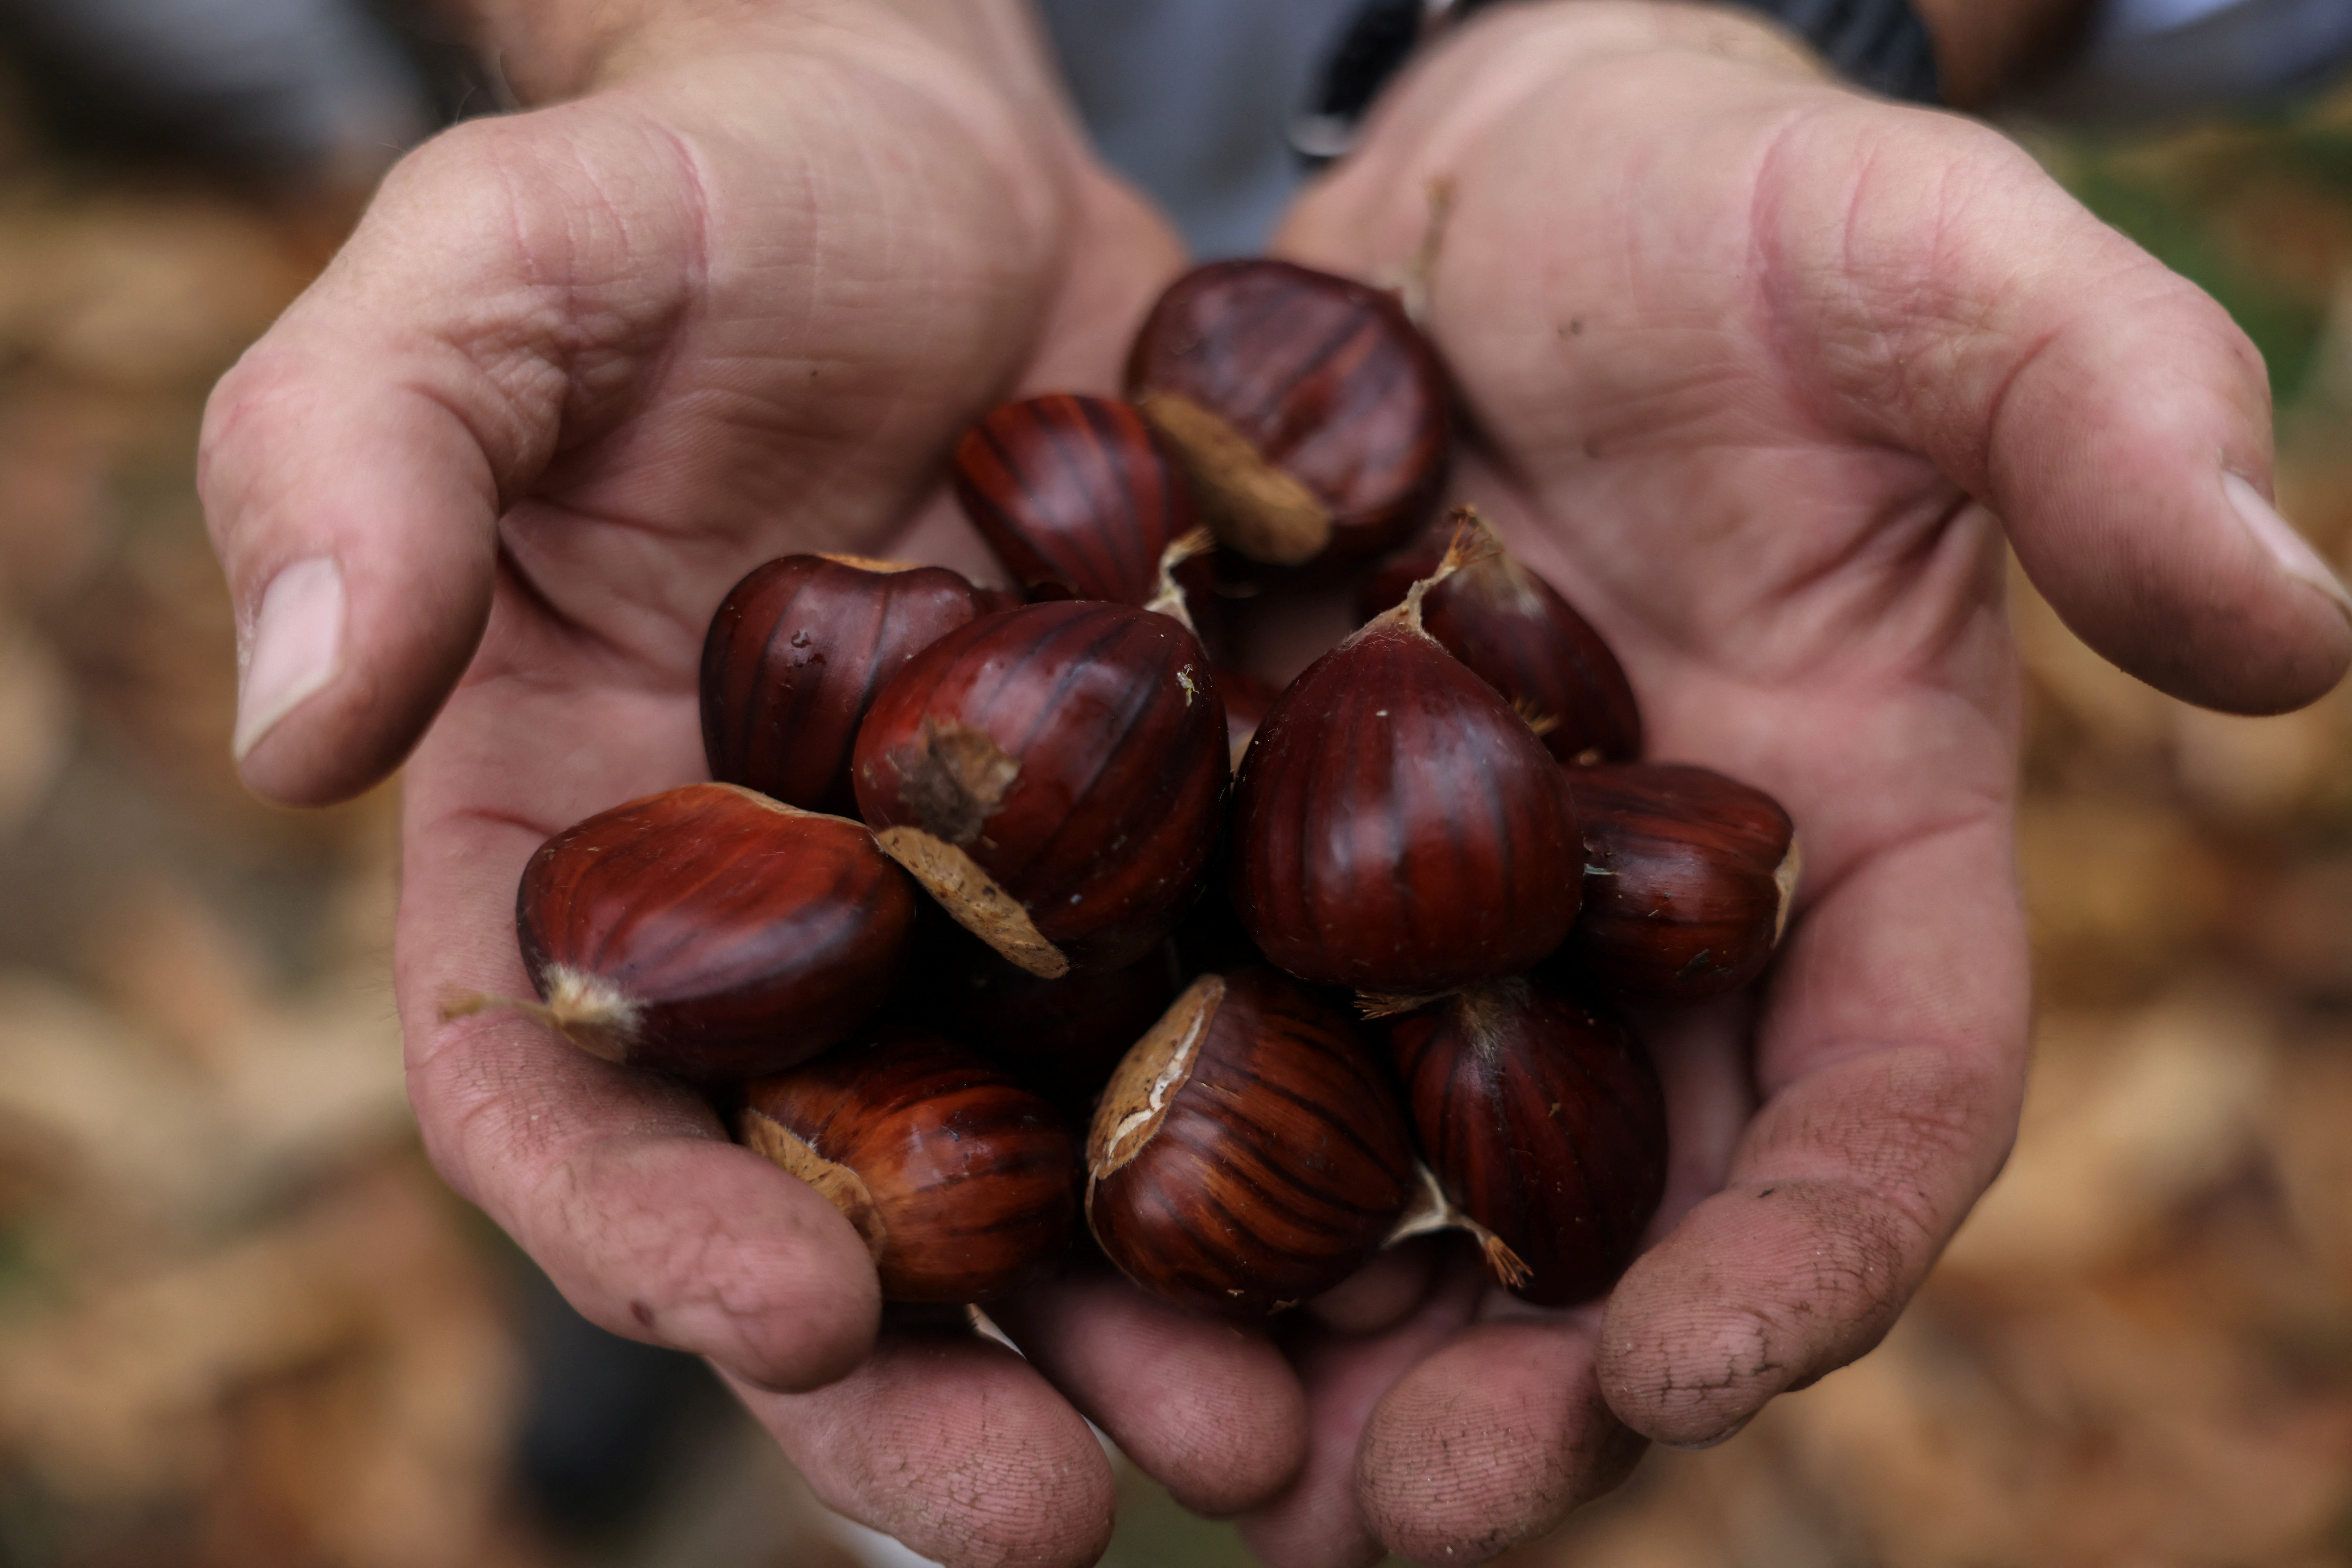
point(1309, 414)
point(1688, 879)
point(1512, 627)
point(1056, 775)
point(1250, 1152)
point(1075, 492)
point(711, 932)
point(1061, 1037)
point(962, 1182)
point(794, 655)
point(1542, 1121)
point(1396, 826)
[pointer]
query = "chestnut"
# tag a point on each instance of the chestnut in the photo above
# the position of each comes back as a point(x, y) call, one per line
point(1076, 493)
point(962, 1182)
point(1542, 1121)
point(794, 655)
point(709, 932)
point(1250, 1152)
point(1396, 826)
point(1308, 413)
point(1514, 628)
point(1688, 878)
point(1056, 775)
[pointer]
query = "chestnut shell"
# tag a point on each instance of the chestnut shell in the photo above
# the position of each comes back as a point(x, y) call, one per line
point(1398, 828)
point(1076, 493)
point(1691, 877)
point(1061, 1037)
point(737, 935)
point(1543, 1120)
point(1074, 755)
point(969, 1181)
point(794, 657)
point(1325, 377)
point(1251, 1153)
point(1514, 628)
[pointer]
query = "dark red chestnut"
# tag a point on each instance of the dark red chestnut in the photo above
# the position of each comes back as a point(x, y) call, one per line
point(1250, 1152)
point(1396, 826)
point(1513, 628)
point(1074, 491)
point(1309, 414)
point(1056, 775)
point(962, 1182)
point(794, 657)
point(711, 932)
point(1688, 883)
point(1542, 1121)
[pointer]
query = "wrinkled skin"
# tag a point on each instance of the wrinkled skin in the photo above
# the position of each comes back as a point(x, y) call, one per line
point(1759, 371)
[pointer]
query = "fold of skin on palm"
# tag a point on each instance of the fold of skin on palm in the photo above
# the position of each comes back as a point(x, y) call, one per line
point(581, 369)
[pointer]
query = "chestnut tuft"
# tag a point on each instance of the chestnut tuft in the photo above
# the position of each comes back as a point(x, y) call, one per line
point(794, 655)
point(962, 1182)
point(1512, 627)
point(1250, 1150)
point(1309, 412)
point(1397, 827)
point(1056, 775)
point(709, 932)
point(1688, 879)
point(1543, 1121)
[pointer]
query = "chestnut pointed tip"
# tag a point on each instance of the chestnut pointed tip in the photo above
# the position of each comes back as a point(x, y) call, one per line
point(1785, 877)
point(973, 897)
point(587, 1010)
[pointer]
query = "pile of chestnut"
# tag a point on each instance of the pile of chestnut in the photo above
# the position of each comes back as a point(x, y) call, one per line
point(1007, 905)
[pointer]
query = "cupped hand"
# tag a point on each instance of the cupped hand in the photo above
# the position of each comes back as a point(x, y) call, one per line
point(1764, 374)
point(577, 372)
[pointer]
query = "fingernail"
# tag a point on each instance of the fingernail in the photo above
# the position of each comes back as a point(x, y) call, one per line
point(296, 647)
point(2292, 550)
point(1726, 1436)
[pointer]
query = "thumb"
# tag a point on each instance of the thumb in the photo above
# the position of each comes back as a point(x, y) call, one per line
point(2108, 410)
point(354, 464)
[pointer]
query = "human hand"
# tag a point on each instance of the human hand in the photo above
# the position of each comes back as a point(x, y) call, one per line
point(575, 374)
point(1761, 371)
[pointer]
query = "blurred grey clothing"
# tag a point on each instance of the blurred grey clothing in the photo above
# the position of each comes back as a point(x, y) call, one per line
point(1190, 99)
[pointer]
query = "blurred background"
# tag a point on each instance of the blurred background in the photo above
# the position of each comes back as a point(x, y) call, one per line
point(241, 1321)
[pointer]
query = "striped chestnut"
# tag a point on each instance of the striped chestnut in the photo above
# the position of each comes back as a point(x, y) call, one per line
point(1542, 1121)
point(1250, 1152)
point(1688, 879)
point(1397, 828)
point(794, 655)
point(709, 932)
point(962, 1182)
point(1307, 410)
point(1074, 492)
point(1056, 775)
point(1512, 627)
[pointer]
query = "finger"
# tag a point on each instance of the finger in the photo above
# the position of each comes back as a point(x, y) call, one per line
point(354, 463)
point(1209, 1410)
point(955, 1446)
point(619, 1184)
point(1317, 1522)
point(1946, 295)
point(1491, 1441)
point(1891, 1061)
